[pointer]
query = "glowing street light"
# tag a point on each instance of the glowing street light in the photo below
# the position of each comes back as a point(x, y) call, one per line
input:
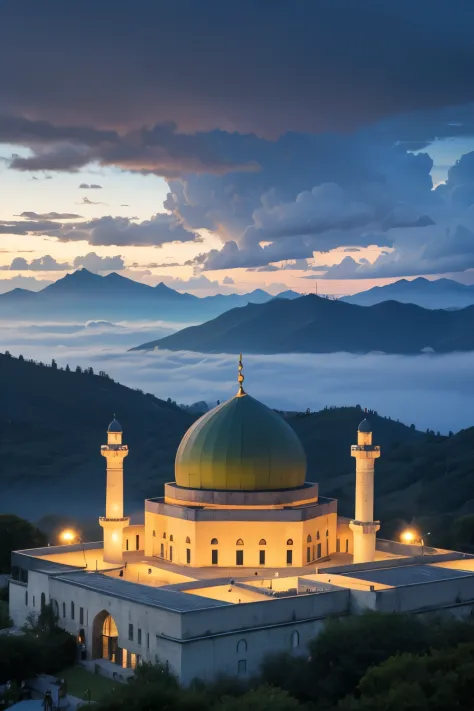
point(68, 536)
point(412, 537)
point(408, 537)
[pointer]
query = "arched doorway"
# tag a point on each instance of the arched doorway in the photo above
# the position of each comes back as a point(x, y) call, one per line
point(105, 642)
point(105, 637)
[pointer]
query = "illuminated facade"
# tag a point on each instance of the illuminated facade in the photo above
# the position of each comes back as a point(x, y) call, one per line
point(239, 558)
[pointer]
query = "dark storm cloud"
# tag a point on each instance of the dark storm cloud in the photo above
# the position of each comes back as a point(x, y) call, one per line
point(307, 65)
point(161, 150)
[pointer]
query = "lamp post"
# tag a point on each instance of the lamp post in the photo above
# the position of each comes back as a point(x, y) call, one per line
point(408, 537)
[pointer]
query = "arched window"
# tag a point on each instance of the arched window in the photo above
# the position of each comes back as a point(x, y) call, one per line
point(262, 542)
point(43, 601)
point(317, 535)
point(241, 647)
point(188, 540)
point(289, 542)
point(171, 538)
point(154, 534)
point(327, 532)
point(164, 535)
point(295, 639)
point(239, 542)
point(214, 542)
point(308, 540)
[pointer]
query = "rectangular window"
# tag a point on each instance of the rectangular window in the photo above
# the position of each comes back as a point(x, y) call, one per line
point(148, 640)
point(214, 556)
point(289, 557)
point(308, 554)
point(171, 553)
point(239, 557)
point(137, 542)
point(318, 554)
point(139, 636)
point(188, 555)
point(338, 545)
point(26, 598)
point(64, 609)
point(72, 610)
point(126, 544)
point(33, 600)
point(261, 558)
point(162, 550)
point(81, 615)
point(347, 545)
point(327, 547)
point(130, 632)
point(241, 667)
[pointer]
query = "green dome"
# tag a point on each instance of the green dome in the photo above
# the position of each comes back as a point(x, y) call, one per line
point(240, 445)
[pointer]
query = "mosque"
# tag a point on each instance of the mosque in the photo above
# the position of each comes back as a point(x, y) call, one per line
point(240, 558)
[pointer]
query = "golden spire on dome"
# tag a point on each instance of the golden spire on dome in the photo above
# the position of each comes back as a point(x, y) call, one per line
point(240, 378)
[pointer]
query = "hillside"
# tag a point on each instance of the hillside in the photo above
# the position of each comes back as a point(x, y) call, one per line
point(430, 294)
point(83, 295)
point(52, 424)
point(312, 324)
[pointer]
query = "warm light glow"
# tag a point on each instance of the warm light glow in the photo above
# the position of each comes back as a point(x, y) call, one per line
point(68, 536)
point(408, 537)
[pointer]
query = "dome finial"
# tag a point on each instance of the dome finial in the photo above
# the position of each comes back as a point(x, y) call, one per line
point(240, 378)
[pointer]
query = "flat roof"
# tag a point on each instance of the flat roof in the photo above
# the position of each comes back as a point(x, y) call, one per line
point(171, 600)
point(408, 574)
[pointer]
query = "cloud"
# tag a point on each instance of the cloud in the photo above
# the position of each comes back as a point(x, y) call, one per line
point(330, 74)
point(106, 231)
point(41, 264)
point(94, 263)
point(121, 231)
point(432, 250)
point(22, 282)
point(228, 280)
point(86, 201)
point(194, 283)
point(49, 216)
point(436, 391)
point(90, 186)
point(160, 150)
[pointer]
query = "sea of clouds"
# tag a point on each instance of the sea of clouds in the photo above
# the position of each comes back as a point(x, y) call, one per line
point(435, 391)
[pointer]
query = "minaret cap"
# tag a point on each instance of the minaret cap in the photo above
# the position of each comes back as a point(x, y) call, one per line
point(240, 379)
point(364, 426)
point(114, 426)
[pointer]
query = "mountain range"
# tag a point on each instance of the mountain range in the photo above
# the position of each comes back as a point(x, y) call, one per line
point(431, 294)
point(52, 423)
point(84, 295)
point(312, 324)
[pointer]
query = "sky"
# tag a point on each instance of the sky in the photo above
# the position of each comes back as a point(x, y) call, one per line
point(226, 146)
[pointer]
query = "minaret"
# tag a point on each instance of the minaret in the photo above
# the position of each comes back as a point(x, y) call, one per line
point(114, 521)
point(363, 526)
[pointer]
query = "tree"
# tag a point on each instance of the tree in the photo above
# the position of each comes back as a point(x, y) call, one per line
point(264, 698)
point(17, 534)
point(67, 368)
point(435, 681)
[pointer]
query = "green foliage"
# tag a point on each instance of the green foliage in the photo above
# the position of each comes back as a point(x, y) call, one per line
point(42, 648)
point(438, 681)
point(263, 698)
point(346, 648)
point(16, 534)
